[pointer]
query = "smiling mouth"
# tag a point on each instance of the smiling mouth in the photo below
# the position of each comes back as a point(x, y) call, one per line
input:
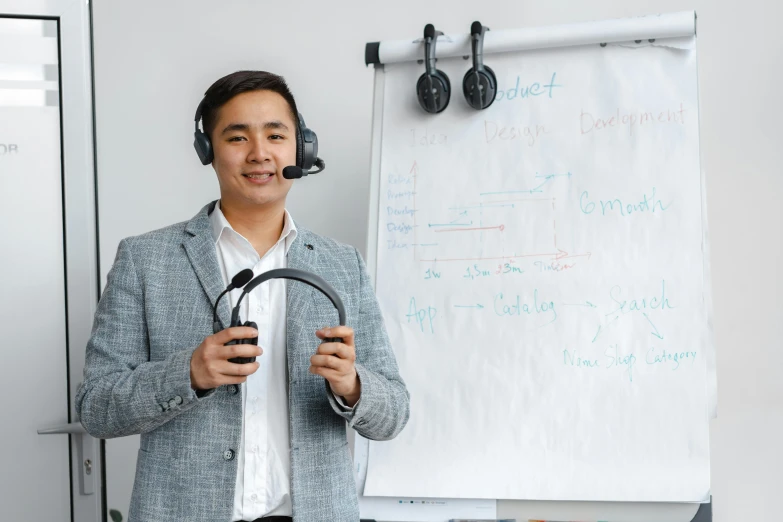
point(258, 176)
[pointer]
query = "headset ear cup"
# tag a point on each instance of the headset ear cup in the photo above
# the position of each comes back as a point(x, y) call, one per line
point(469, 86)
point(422, 87)
point(306, 146)
point(309, 149)
point(433, 91)
point(487, 84)
point(203, 147)
point(299, 145)
point(492, 87)
point(446, 82)
point(254, 340)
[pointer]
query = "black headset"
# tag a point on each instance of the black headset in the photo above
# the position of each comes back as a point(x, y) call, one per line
point(433, 88)
point(480, 83)
point(306, 148)
point(242, 280)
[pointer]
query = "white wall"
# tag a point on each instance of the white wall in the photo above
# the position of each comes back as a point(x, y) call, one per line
point(153, 61)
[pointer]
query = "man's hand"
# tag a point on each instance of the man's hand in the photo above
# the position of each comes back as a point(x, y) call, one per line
point(210, 366)
point(335, 363)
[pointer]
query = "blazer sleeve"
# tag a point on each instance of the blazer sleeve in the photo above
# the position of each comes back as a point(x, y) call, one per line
point(123, 392)
point(383, 408)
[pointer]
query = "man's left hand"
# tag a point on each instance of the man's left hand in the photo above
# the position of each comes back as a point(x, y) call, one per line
point(335, 363)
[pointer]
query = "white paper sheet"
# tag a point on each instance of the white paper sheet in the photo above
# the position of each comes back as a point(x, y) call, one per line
point(397, 509)
point(541, 273)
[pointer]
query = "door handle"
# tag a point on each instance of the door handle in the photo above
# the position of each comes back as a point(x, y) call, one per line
point(86, 445)
point(73, 428)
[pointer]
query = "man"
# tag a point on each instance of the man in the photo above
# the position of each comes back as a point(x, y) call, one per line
point(222, 441)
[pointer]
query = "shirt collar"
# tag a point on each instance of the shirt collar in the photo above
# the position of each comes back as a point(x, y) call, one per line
point(220, 224)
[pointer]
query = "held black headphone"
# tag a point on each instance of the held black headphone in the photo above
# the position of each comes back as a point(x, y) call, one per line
point(480, 83)
point(241, 280)
point(433, 88)
point(306, 148)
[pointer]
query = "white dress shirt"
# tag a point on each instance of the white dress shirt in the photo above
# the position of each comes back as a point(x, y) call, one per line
point(263, 485)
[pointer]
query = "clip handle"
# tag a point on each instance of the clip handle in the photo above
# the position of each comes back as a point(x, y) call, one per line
point(430, 39)
point(477, 32)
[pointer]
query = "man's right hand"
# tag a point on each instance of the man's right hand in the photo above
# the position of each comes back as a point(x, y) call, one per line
point(210, 366)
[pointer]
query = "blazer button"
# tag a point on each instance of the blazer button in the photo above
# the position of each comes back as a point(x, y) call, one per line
point(178, 400)
point(233, 389)
point(228, 454)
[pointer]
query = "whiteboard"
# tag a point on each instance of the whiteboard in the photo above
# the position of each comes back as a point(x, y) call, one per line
point(526, 258)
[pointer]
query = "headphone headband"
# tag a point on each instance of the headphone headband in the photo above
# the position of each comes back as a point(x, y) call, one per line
point(200, 109)
point(302, 276)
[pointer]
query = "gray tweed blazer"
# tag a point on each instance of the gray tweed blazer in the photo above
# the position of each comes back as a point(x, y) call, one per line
point(157, 308)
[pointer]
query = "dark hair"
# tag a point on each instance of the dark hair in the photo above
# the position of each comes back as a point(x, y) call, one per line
point(220, 92)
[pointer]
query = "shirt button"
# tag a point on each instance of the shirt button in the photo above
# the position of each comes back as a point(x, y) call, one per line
point(254, 497)
point(228, 454)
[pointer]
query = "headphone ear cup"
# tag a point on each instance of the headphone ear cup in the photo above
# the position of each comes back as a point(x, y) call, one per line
point(300, 144)
point(203, 147)
point(446, 80)
point(486, 83)
point(306, 146)
point(254, 340)
point(309, 149)
point(433, 91)
point(234, 324)
point(492, 87)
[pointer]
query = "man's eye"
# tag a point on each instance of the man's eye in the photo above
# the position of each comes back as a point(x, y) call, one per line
point(236, 138)
point(277, 137)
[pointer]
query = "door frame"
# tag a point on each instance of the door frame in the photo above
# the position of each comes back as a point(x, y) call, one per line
point(80, 225)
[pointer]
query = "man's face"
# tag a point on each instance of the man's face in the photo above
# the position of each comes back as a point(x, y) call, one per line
point(254, 140)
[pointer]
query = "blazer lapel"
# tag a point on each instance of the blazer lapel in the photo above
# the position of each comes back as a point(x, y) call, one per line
point(200, 248)
point(299, 295)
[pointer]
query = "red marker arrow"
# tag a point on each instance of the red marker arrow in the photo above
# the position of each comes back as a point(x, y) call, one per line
point(564, 255)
